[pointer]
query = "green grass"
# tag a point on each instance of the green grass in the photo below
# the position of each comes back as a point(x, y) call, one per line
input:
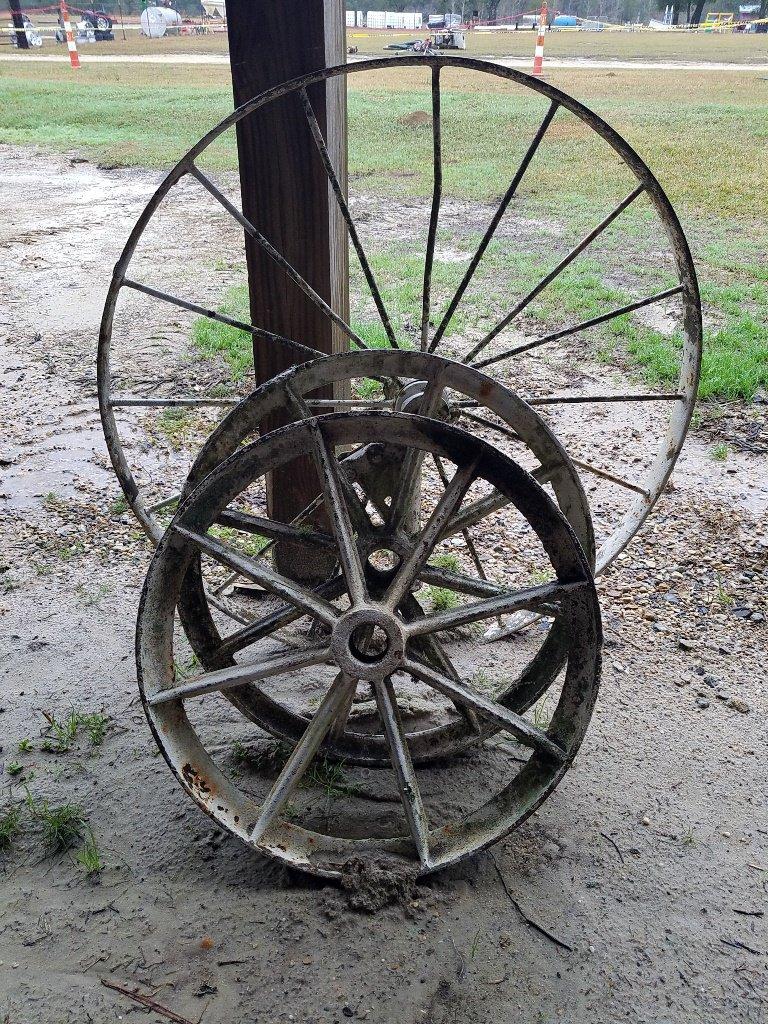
point(714, 173)
point(720, 452)
point(441, 598)
point(10, 827)
point(62, 826)
point(61, 734)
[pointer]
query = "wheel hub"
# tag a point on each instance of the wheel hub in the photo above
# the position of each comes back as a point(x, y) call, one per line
point(368, 643)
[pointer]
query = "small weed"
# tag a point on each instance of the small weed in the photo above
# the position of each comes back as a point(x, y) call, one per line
point(482, 681)
point(14, 768)
point(442, 599)
point(25, 746)
point(10, 826)
point(62, 826)
point(89, 857)
point(118, 506)
point(91, 598)
point(175, 422)
point(329, 776)
point(62, 734)
point(445, 561)
point(688, 838)
point(95, 726)
point(720, 452)
point(184, 669)
point(53, 501)
point(722, 596)
point(474, 944)
point(541, 712)
point(540, 576)
point(368, 388)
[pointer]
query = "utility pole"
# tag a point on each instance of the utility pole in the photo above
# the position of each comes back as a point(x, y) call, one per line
point(285, 194)
point(18, 23)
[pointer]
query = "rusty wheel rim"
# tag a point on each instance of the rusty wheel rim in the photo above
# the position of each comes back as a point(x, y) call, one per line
point(262, 823)
point(445, 377)
point(679, 400)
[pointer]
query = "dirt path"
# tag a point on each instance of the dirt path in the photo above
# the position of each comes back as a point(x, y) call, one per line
point(574, 63)
point(649, 864)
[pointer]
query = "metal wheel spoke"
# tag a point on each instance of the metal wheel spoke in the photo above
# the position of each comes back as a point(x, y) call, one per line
point(449, 501)
point(437, 165)
point(237, 675)
point(408, 485)
point(459, 582)
point(497, 713)
point(338, 513)
point(550, 277)
point(543, 599)
point(437, 656)
point(305, 351)
point(407, 783)
point(339, 726)
point(281, 261)
point(164, 503)
point(630, 307)
point(282, 616)
point(162, 403)
point(495, 221)
point(586, 399)
point(247, 523)
point(297, 764)
point(470, 544)
point(296, 594)
point(338, 192)
point(475, 513)
point(589, 467)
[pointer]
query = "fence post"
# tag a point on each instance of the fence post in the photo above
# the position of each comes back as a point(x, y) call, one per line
point(538, 58)
point(18, 24)
point(71, 44)
point(285, 193)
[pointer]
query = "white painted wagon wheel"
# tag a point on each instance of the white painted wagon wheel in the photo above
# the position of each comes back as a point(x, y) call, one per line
point(441, 381)
point(678, 402)
point(346, 652)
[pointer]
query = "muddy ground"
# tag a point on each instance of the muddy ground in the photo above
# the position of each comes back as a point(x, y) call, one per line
point(644, 877)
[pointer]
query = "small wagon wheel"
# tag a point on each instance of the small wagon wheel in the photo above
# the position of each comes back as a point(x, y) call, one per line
point(351, 650)
point(490, 350)
point(381, 471)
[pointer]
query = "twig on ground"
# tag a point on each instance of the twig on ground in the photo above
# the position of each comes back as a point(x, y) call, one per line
point(146, 1001)
point(614, 844)
point(740, 945)
point(537, 927)
point(749, 913)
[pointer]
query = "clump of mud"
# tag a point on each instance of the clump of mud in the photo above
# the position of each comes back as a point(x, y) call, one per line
point(416, 119)
point(370, 885)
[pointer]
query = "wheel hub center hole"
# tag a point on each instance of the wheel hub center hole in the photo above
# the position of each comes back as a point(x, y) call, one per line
point(368, 643)
point(383, 560)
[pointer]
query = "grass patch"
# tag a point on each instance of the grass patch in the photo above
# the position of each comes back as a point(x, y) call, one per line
point(62, 826)
point(61, 734)
point(441, 598)
point(233, 345)
point(10, 827)
point(89, 856)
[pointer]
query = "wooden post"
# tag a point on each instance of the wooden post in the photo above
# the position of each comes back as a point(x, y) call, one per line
point(18, 23)
point(285, 193)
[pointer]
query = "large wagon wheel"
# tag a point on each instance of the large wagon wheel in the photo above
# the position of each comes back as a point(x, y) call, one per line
point(490, 350)
point(381, 471)
point(351, 649)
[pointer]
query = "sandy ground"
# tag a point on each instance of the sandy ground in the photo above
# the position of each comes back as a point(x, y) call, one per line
point(649, 864)
point(573, 63)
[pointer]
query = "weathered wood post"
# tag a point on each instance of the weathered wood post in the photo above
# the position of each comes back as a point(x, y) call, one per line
point(18, 24)
point(285, 193)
